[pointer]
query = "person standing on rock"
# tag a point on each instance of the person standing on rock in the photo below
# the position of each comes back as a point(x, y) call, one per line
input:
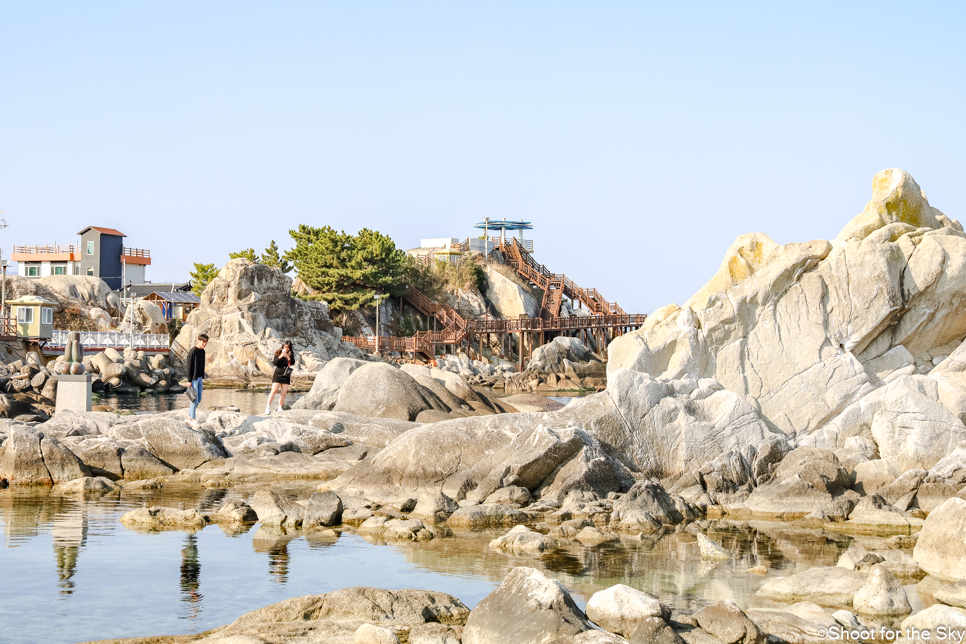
point(196, 373)
point(282, 378)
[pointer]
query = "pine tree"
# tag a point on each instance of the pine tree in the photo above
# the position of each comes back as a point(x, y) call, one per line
point(272, 258)
point(248, 253)
point(347, 270)
point(200, 277)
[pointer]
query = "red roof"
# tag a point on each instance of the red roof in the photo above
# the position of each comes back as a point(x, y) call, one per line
point(103, 231)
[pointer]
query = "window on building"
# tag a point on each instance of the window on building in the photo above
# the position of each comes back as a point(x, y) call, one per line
point(76, 269)
point(46, 315)
point(25, 315)
point(90, 248)
point(33, 270)
point(58, 270)
point(90, 270)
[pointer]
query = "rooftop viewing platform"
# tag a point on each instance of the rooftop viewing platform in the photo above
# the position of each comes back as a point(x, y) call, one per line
point(45, 253)
point(136, 256)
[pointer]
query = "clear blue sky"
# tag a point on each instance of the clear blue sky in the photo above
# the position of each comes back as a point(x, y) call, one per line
point(640, 138)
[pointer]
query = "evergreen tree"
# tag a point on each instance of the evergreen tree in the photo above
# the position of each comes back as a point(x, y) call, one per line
point(271, 258)
point(200, 277)
point(347, 270)
point(248, 253)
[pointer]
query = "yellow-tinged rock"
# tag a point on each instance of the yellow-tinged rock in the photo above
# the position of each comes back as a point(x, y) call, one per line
point(896, 198)
point(742, 260)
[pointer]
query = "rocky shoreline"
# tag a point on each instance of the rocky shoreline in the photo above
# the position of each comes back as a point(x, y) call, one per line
point(821, 384)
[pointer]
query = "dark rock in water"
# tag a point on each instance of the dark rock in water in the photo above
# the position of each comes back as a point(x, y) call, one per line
point(324, 509)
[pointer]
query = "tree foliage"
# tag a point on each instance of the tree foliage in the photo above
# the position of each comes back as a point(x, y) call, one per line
point(248, 253)
point(200, 277)
point(347, 270)
point(272, 258)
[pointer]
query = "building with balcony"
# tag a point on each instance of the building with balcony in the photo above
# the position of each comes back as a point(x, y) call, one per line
point(101, 253)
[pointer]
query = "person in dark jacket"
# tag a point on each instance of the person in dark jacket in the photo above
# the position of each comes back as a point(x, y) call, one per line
point(195, 362)
point(282, 378)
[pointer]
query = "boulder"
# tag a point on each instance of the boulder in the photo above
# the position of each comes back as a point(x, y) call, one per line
point(729, 624)
point(711, 550)
point(156, 518)
point(522, 540)
point(178, 445)
point(802, 623)
point(527, 607)
point(872, 476)
point(484, 517)
point(369, 634)
point(930, 619)
point(648, 504)
point(378, 390)
point(952, 594)
point(327, 383)
point(882, 594)
point(324, 509)
point(275, 510)
point(87, 485)
point(941, 547)
point(832, 586)
point(28, 457)
point(621, 609)
point(83, 290)
point(237, 512)
point(248, 311)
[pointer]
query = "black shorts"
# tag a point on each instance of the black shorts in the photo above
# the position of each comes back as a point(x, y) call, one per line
point(282, 379)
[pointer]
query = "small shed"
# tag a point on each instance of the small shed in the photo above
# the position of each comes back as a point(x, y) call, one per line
point(34, 317)
point(174, 305)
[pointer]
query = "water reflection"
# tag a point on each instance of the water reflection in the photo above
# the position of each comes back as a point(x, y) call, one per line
point(115, 582)
point(191, 576)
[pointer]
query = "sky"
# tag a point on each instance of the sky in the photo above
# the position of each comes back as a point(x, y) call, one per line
point(639, 138)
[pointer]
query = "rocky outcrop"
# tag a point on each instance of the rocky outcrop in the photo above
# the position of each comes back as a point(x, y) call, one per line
point(508, 295)
point(564, 363)
point(28, 457)
point(247, 311)
point(941, 547)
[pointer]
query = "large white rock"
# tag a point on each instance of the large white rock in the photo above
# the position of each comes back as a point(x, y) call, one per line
point(508, 295)
point(620, 609)
point(809, 334)
point(882, 594)
point(941, 547)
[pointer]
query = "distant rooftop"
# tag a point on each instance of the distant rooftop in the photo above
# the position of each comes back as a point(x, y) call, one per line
point(103, 231)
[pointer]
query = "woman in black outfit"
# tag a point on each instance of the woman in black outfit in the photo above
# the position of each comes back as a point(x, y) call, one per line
point(282, 378)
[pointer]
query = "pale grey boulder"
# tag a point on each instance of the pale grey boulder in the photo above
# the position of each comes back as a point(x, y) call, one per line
point(930, 619)
point(510, 495)
point(527, 607)
point(858, 558)
point(139, 463)
point(941, 547)
point(871, 476)
point(273, 509)
point(729, 624)
point(28, 457)
point(952, 594)
point(522, 540)
point(434, 506)
point(711, 550)
point(369, 634)
point(177, 444)
point(327, 383)
point(483, 517)
point(378, 390)
point(235, 512)
point(433, 633)
point(882, 594)
point(801, 623)
point(156, 518)
point(828, 586)
point(87, 485)
point(647, 503)
point(621, 609)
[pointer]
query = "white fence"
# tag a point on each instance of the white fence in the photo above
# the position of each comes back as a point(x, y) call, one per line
point(115, 339)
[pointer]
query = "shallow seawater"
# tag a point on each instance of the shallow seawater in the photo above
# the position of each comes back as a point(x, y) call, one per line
point(71, 572)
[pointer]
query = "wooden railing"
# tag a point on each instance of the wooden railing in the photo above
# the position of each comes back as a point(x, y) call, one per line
point(8, 327)
point(135, 252)
point(44, 250)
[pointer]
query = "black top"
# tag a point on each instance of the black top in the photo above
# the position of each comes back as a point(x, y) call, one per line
point(281, 364)
point(195, 363)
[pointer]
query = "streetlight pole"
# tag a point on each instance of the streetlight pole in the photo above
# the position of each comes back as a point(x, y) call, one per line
point(378, 298)
point(3, 288)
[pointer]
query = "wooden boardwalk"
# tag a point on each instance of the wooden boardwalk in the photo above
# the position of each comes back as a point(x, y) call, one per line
point(606, 320)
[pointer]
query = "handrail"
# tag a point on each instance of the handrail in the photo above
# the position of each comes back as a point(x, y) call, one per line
point(44, 250)
point(135, 252)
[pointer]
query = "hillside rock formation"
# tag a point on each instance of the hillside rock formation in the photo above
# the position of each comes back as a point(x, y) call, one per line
point(833, 340)
point(248, 311)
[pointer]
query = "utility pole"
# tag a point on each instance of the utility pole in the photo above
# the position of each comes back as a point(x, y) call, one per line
point(3, 265)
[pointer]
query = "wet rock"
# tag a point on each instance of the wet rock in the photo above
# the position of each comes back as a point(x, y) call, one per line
point(591, 536)
point(324, 509)
point(941, 547)
point(882, 594)
point(87, 485)
point(369, 634)
point(159, 517)
point(711, 550)
point(527, 607)
point(28, 457)
point(396, 529)
point(801, 623)
point(522, 540)
point(237, 512)
point(275, 510)
point(654, 630)
point(858, 558)
point(621, 609)
point(435, 506)
point(646, 503)
point(829, 586)
point(482, 517)
point(729, 624)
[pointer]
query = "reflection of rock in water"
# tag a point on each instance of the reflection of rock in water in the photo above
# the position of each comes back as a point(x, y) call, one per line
point(191, 576)
point(273, 540)
point(69, 534)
